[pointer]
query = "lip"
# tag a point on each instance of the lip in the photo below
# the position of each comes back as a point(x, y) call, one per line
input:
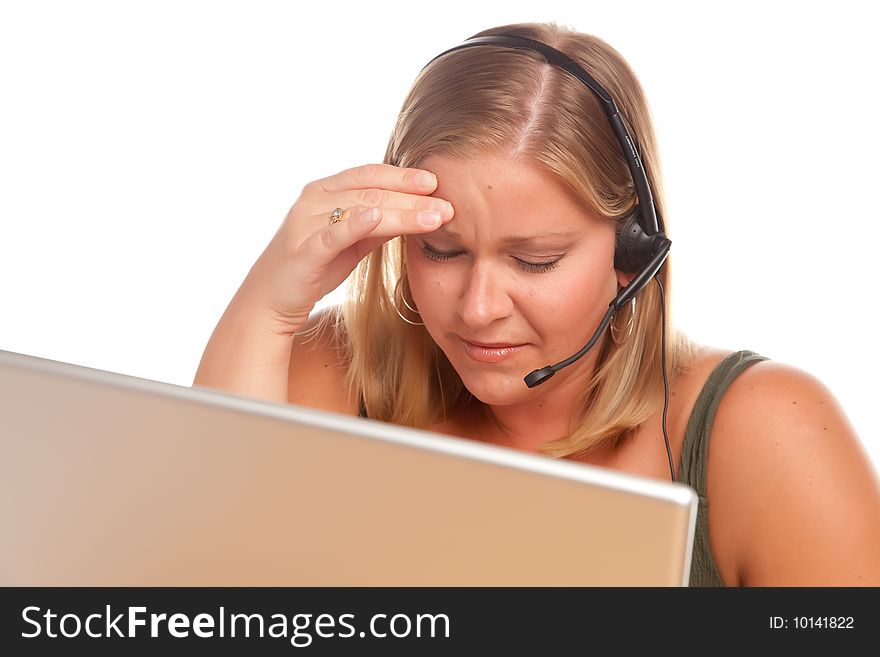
point(490, 352)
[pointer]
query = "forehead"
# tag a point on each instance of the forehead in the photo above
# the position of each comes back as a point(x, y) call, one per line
point(507, 193)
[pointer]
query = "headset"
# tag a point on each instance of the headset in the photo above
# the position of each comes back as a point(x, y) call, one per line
point(641, 246)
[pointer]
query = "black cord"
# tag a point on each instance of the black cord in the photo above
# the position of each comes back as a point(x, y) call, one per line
point(665, 380)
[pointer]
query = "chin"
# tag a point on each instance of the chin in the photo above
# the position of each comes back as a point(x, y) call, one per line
point(497, 389)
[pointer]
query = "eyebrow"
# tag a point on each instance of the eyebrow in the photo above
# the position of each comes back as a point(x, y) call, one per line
point(520, 239)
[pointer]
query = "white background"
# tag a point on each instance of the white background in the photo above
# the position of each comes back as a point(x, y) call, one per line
point(149, 151)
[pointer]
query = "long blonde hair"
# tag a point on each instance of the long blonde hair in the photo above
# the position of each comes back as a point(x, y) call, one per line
point(490, 98)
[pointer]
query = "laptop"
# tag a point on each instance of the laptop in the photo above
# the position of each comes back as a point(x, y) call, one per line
point(113, 480)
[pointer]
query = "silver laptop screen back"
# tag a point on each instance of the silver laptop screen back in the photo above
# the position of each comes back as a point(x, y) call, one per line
point(108, 479)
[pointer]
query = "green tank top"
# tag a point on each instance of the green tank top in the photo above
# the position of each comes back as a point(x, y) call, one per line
point(694, 458)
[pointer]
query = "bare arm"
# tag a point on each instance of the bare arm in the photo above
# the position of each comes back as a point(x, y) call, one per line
point(249, 352)
point(246, 355)
point(798, 486)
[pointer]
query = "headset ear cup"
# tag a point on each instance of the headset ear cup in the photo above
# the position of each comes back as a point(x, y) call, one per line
point(630, 245)
point(634, 248)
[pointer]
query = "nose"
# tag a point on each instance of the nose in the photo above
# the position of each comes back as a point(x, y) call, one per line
point(485, 297)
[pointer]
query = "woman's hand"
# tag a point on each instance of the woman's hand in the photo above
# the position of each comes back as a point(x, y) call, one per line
point(309, 257)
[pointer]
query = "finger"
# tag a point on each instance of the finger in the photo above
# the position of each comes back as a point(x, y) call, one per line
point(397, 221)
point(383, 176)
point(336, 235)
point(384, 198)
point(358, 223)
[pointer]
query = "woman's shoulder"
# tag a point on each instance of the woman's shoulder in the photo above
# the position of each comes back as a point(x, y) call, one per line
point(318, 365)
point(795, 487)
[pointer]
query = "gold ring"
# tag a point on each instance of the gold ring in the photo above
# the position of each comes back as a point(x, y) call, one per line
point(336, 216)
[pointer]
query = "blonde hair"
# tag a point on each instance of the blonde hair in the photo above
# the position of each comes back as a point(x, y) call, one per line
point(478, 100)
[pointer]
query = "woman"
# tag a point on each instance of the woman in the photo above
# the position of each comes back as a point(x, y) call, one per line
point(498, 210)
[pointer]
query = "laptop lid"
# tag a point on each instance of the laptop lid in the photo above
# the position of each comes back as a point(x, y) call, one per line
point(112, 480)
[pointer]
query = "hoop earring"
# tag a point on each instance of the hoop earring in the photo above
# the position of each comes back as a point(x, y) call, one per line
point(405, 303)
point(615, 332)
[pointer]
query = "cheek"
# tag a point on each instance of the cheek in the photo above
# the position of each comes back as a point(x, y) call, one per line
point(550, 307)
point(425, 282)
point(568, 298)
point(431, 291)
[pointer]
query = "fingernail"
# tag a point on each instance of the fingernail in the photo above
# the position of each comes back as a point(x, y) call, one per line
point(428, 218)
point(427, 179)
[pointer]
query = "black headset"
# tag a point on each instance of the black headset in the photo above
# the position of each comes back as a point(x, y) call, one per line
point(641, 246)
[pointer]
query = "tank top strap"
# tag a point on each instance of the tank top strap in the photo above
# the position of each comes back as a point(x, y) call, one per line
point(695, 448)
point(694, 458)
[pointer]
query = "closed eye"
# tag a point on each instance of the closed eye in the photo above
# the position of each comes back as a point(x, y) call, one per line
point(438, 256)
point(532, 267)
